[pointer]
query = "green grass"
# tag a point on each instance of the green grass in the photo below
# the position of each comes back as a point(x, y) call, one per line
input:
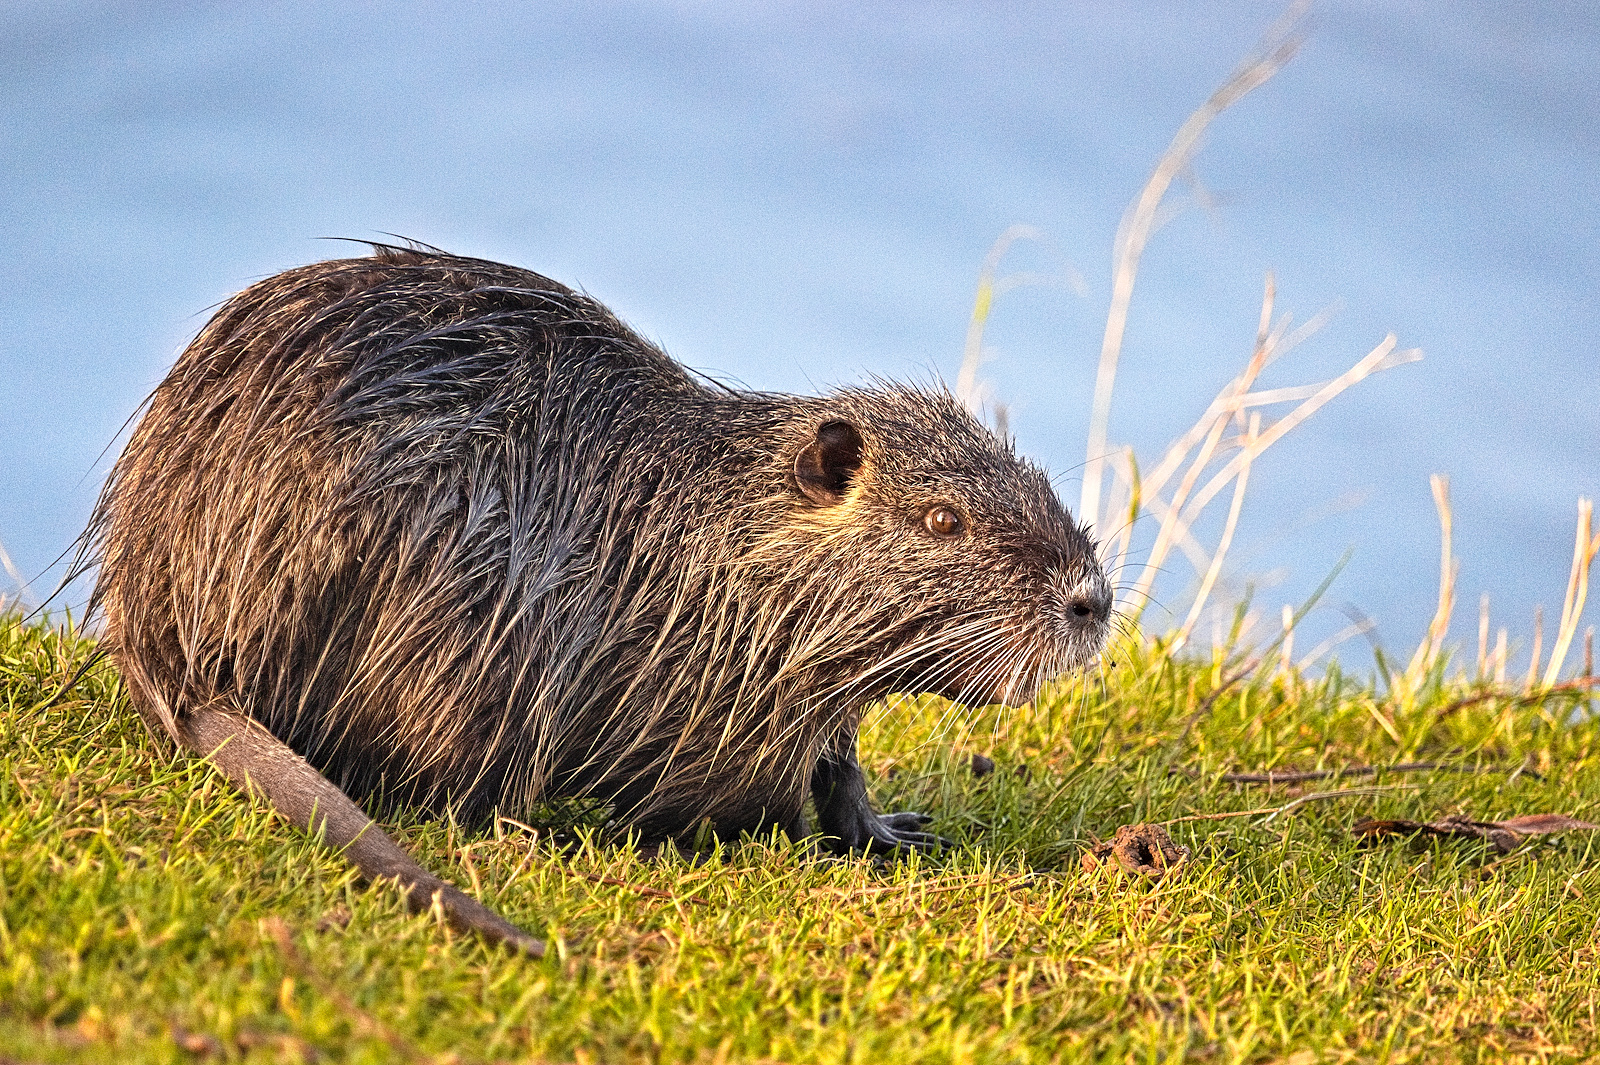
point(149, 913)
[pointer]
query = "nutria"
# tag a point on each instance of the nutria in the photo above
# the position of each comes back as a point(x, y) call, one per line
point(429, 530)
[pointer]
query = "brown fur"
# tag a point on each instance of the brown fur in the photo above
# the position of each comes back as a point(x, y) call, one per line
point(458, 537)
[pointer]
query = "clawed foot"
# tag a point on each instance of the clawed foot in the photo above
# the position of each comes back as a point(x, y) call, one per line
point(846, 818)
point(886, 834)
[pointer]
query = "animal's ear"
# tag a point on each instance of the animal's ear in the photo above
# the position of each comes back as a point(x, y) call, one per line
point(825, 467)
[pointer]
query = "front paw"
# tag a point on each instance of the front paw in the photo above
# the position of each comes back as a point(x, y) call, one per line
point(888, 834)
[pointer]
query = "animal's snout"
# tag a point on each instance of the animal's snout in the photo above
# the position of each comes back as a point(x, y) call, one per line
point(1085, 593)
point(1092, 605)
point(1083, 608)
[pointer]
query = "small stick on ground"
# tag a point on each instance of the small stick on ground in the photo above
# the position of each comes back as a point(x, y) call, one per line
point(1219, 817)
point(1275, 811)
point(1580, 685)
point(1300, 776)
point(1342, 793)
point(1216, 693)
point(279, 931)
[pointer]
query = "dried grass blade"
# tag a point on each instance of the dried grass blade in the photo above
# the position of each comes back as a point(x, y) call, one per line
point(967, 390)
point(1577, 591)
point(1274, 50)
point(1428, 651)
point(1379, 358)
point(1222, 544)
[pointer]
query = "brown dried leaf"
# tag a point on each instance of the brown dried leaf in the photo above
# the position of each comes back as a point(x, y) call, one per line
point(1503, 835)
point(1542, 824)
point(197, 1043)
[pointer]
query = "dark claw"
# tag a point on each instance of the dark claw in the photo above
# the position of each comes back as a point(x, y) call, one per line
point(906, 820)
point(847, 820)
point(898, 832)
point(921, 841)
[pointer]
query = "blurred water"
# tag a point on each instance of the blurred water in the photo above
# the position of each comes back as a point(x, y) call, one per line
point(796, 195)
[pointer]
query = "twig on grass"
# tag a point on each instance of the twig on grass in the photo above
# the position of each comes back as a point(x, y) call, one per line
point(1300, 776)
point(1578, 685)
point(1219, 817)
point(1275, 811)
point(278, 930)
point(1319, 796)
point(1505, 836)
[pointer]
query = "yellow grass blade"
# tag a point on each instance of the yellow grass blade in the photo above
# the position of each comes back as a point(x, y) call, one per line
point(1577, 590)
point(1380, 358)
point(1222, 545)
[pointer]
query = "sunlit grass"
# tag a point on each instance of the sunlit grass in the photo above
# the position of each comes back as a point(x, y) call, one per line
point(148, 912)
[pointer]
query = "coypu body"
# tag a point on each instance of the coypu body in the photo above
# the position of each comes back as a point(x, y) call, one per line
point(419, 529)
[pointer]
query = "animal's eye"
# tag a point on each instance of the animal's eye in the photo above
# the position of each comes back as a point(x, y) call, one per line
point(943, 521)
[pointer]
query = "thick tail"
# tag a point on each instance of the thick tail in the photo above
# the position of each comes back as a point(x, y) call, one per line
point(257, 761)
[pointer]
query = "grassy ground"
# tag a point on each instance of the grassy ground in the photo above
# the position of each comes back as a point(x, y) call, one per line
point(149, 913)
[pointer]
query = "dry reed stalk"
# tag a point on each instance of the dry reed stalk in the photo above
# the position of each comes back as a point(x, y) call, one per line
point(1538, 643)
point(1383, 357)
point(1427, 652)
point(23, 591)
point(1286, 652)
point(1272, 345)
point(1225, 402)
point(1275, 49)
point(1268, 396)
point(1222, 544)
point(968, 389)
point(1182, 537)
point(1127, 473)
point(1501, 653)
point(1218, 413)
point(1577, 590)
point(1194, 451)
point(1359, 628)
point(1483, 635)
point(1230, 403)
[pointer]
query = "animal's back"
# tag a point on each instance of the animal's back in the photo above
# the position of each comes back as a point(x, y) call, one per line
point(367, 506)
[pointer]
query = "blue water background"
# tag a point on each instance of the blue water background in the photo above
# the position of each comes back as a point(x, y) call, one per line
point(799, 195)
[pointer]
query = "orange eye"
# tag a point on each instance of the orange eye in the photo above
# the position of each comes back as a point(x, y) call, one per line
point(943, 522)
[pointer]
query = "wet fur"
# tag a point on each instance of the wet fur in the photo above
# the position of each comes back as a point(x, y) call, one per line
point(459, 538)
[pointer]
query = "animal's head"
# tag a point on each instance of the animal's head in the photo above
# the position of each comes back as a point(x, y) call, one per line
point(949, 556)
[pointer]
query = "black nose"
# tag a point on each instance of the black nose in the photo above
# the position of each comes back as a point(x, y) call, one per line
point(1084, 607)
